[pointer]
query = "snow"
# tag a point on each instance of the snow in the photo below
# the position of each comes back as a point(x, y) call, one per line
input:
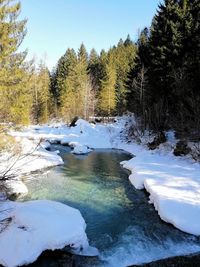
point(32, 157)
point(91, 135)
point(16, 188)
point(37, 226)
point(81, 149)
point(173, 183)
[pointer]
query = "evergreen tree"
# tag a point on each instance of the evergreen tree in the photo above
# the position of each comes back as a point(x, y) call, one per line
point(165, 47)
point(15, 103)
point(41, 94)
point(76, 93)
point(169, 53)
point(94, 68)
point(128, 41)
point(67, 62)
point(107, 96)
point(124, 56)
point(82, 54)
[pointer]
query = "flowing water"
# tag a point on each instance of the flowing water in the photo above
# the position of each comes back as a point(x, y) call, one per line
point(120, 222)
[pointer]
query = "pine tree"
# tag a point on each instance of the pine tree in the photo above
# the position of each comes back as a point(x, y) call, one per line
point(107, 96)
point(68, 97)
point(15, 103)
point(170, 55)
point(82, 54)
point(76, 93)
point(94, 67)
point(128, 41)
point(124, 57)
point(165, 46)
point(67, 62)
point(41, 94)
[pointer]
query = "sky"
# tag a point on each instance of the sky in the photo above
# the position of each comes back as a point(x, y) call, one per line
point(55, 25)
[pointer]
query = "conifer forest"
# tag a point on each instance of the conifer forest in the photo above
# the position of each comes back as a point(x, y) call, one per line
point(156, 77)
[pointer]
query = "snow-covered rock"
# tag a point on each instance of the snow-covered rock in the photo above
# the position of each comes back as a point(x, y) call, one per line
point(45, 144)
point(81, 150)
point(35, 226)
point(16, 188)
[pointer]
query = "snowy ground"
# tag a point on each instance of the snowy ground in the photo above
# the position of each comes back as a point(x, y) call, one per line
point(172, 182)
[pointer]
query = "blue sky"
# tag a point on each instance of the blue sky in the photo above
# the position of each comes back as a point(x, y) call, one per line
point(55, 25)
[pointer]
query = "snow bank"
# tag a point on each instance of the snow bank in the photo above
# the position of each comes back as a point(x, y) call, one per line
point(32, 157)
point(88, 134)
point(173, 185)
point(36, 226)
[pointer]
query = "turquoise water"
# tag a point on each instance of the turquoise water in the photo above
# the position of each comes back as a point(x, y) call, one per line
point(120, 221)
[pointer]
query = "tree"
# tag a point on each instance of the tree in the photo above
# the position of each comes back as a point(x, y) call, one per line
point(107, 96)
point(41, 94)
point(76, 95)
point(67, 62)
point(94, 68)
point(82, 54)
point(124, 57)
point(165, 49)
point(128, 41)
point(15, 103)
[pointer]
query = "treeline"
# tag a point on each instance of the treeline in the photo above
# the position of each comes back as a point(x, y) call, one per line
point(86, 85)
point(165, 84)
point(156, 77)
point(81, 84)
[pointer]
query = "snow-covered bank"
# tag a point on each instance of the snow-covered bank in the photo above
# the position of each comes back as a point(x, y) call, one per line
point(173, 185)
point(87, 134)
point(173, 182)
point(32, 227)
point(33, 156)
